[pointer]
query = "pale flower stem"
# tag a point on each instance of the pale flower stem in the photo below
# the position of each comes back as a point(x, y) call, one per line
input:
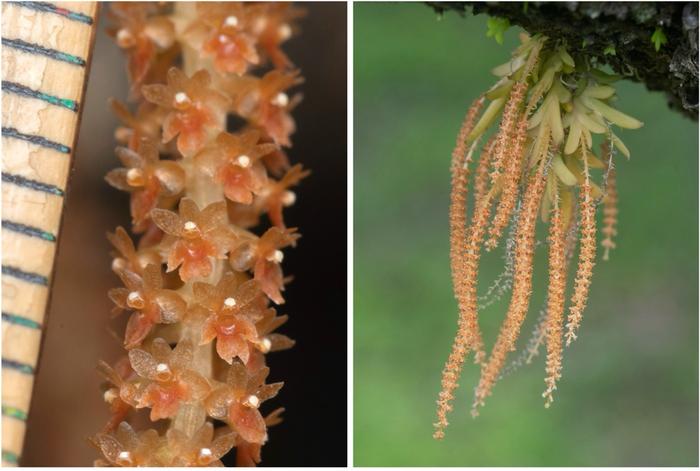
point(204, 190)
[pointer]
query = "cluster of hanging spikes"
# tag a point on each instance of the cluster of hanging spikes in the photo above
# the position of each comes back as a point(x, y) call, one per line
point(537, 165)
point(199, 284)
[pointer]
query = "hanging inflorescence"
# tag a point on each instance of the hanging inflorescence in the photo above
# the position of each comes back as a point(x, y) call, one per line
point(199, 284)
point(538, 164)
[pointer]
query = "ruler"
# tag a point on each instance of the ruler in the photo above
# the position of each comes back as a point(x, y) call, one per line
point(46, 51)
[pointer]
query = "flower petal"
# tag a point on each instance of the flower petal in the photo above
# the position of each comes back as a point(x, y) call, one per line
point(167, 221)
point(189, 211)
point(268, 391)
point(280, 342)
point(138, 327)
point(118, 296)
point(129, 158)
point(218, 401)
point(222, 443)
point(117, 178)
point(122, 242)
point(143, 363)
point(248, 422)
point(171, 305)
point(237, 376)
point(109, 446)
point(158, 94)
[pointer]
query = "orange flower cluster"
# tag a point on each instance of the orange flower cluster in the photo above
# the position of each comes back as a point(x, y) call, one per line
point(199, 284)
point(610, 210)
point(586, 260)
point(522, 289)
point(534, 164)
point(460, 176)
point(555, 300)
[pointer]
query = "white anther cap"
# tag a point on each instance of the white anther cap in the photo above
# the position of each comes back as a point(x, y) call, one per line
point(229, 302)
point(288, 198)
point(285, 31)
point(243, 161)
point(252, 401)
point(277, 256)
point(281, 99)
point(181, 97)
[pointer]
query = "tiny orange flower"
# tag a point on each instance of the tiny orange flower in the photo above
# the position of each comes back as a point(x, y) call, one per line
point(264, 256)
point(224, 31)
point(147, 179)
point(150, 302)
point(273, 198)
point(265, 103)
point(238, 401)
point(233, 306)
point(151, 237)
point(272, 342)
point(235, 161)
point(141, 34)
point(168, 380)
point(127, 257)
point(193, 238)
point(276, 162)
point(278, 194)
point(127, 448)
point(249, 454)
point(196, 111)
point(204, 448)
point(119, 393)
point(273, 28)
point(145, 122)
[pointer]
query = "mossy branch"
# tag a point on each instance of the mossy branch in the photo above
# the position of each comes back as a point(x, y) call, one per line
point(655, 43)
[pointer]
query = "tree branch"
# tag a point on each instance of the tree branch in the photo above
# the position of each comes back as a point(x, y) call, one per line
point(618, 34)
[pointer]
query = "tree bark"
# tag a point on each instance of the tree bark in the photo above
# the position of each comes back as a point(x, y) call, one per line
point(618, 34)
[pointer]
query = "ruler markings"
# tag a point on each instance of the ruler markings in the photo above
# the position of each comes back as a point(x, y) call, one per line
point(32, 184)
point(18, 366)
point(20, 89)
point(15, 413)
point(21, 361)
point(20, 320)
point(28, 230)
point(51, 8)
point(10, 457)
point(32, 48)
point(34, 139)
point(29, 277)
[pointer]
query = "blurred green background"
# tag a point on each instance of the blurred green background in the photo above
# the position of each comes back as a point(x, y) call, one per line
point(629, 394)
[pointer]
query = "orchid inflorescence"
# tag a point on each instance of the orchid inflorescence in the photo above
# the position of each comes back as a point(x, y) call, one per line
point(538, 164)
point(199, 284)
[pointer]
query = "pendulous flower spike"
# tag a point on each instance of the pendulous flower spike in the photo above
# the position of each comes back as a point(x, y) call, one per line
point(466, 338)
point(551, 106)
point(586, 258)
point(522, 288)
point(555, 300)
point(197, 190)
point(610, 211)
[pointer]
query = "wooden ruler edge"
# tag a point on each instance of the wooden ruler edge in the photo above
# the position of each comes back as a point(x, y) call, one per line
point(11, 458)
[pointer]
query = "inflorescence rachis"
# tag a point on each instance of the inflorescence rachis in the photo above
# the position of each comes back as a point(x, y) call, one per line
point(199, 284)
point(538, 164)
